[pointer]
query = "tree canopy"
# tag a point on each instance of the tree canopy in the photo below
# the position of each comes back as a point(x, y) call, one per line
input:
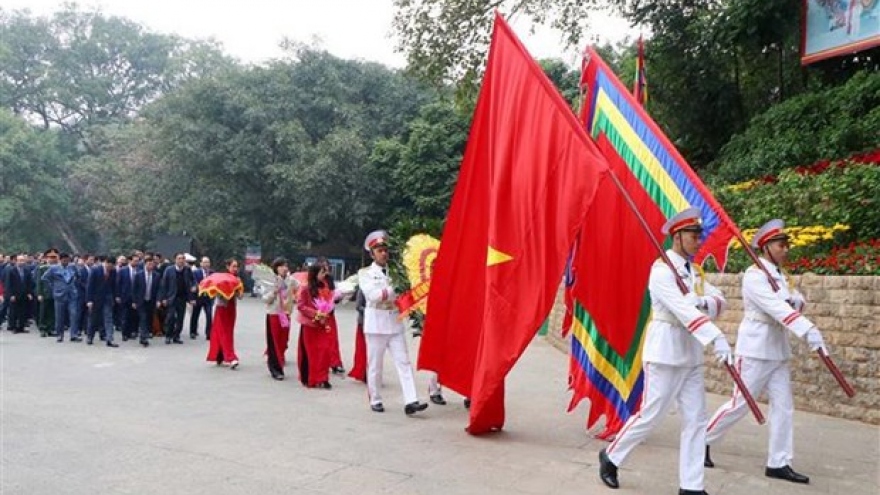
point(111, 134)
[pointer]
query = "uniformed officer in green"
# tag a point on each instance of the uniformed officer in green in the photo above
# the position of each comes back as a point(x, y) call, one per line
point(46, 321)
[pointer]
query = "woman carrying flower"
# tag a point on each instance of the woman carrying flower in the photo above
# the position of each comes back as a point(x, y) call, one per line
point(279, 304)
point(317, 327)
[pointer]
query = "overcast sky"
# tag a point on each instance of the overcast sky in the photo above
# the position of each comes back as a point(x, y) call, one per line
point(251, 29)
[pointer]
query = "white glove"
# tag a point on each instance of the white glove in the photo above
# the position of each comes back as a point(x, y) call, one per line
point(798, 302)
point(722, 350)
point(694, 300)
point(815, 341)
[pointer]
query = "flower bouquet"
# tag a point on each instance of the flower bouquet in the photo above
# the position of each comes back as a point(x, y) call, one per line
point(324, 307)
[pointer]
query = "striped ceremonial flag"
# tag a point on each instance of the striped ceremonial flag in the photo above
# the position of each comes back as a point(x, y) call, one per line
point(610, 304)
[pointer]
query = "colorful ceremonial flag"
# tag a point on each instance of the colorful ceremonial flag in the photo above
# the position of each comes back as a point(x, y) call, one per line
point(528, 177)
point(611, 307)
point(640, 82)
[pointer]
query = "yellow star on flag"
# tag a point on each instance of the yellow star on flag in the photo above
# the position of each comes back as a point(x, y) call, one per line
point(495, 257)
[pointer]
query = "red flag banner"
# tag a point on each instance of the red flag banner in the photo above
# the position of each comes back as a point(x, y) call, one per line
point(527, 180)
point(640, 83)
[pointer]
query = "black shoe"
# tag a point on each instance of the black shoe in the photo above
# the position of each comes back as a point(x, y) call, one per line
point(167, 340)
point(177, 341)
point(90, 341)
point(145, 343)
point(76, 339)
point(324, 385)
point(193, 336)
point(59, 339)
point(438, 399)
point(338, 370)
point(607, 470)
point(23, 330)
point(786, 473)
point(682, 491)
point(377, 407)
point(278, 376)
point(233, 364)
point(111, 344)
point(467, 403)
point(414, 407)
point(125, 338)
point(707, 462)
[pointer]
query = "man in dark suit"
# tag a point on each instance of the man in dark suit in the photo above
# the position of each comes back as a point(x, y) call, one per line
point(124, 293)
point(144, 298)
point(83, 266)
point(177, 290)
point(100, 296)
point(202, 302)
point(18, 288)
point(4, 304)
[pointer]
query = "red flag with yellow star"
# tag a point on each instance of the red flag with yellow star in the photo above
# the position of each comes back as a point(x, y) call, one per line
point(527, 180)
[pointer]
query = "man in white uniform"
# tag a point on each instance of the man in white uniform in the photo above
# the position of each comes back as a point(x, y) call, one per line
point(382, 328)
point(763, 351)
point(681, 324)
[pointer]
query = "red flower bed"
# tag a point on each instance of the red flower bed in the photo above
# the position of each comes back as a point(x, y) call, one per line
point(869, 158)
point(859, 258)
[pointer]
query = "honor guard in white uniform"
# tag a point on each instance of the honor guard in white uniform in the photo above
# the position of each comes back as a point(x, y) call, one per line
point(383, 329)
point(763, 351)
point(681, 325)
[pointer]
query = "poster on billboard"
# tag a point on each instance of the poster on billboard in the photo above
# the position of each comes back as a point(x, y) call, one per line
point(838, 27)
point(252, 256)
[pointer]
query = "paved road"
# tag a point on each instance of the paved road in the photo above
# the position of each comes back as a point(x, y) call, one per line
point(93, 420)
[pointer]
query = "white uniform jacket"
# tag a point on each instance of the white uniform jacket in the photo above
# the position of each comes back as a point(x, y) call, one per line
point(678, 330)
point(380, 313)
point(762, 333)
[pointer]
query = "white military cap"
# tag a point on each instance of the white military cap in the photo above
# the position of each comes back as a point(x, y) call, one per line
point(375, 239)
point(770, 231)
point(688, 219)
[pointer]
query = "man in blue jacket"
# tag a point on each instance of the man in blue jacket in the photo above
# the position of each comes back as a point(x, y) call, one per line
point(61, 280)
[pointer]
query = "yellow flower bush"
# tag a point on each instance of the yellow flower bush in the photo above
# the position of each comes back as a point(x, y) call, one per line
point(743, 186)
point(801, 236)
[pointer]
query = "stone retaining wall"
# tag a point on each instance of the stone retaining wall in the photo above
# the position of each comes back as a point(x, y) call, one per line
point(846, 310)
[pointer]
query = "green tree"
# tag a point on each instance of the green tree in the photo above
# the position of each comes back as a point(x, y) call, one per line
point(445, 41)
point(32, 196)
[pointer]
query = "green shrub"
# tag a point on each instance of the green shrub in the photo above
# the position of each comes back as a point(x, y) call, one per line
point(831, 124)
point(849, 196)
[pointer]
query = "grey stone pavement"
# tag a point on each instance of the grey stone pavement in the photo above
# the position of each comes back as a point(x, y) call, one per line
point(94, 420)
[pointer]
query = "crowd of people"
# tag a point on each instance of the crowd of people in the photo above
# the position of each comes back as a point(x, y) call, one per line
point(140, 296)
point(145, 296)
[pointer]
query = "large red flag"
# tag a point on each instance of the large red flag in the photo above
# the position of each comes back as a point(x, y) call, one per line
point(527, 180)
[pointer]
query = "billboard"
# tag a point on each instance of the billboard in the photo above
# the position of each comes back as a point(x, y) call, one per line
point(252, 257)
point(832, 28)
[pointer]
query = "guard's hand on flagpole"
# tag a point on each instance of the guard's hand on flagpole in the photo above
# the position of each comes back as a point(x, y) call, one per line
point(722, 350)
point(815, 340)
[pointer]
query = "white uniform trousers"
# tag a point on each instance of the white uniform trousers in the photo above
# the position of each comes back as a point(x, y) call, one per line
point(663, 385)
point(759, 375)
point(434, 387)
point(396, 343)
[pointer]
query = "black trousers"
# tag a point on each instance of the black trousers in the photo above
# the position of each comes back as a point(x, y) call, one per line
point(145, 314)
point(18, 313)
point(202, 304)
point(174, 318)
